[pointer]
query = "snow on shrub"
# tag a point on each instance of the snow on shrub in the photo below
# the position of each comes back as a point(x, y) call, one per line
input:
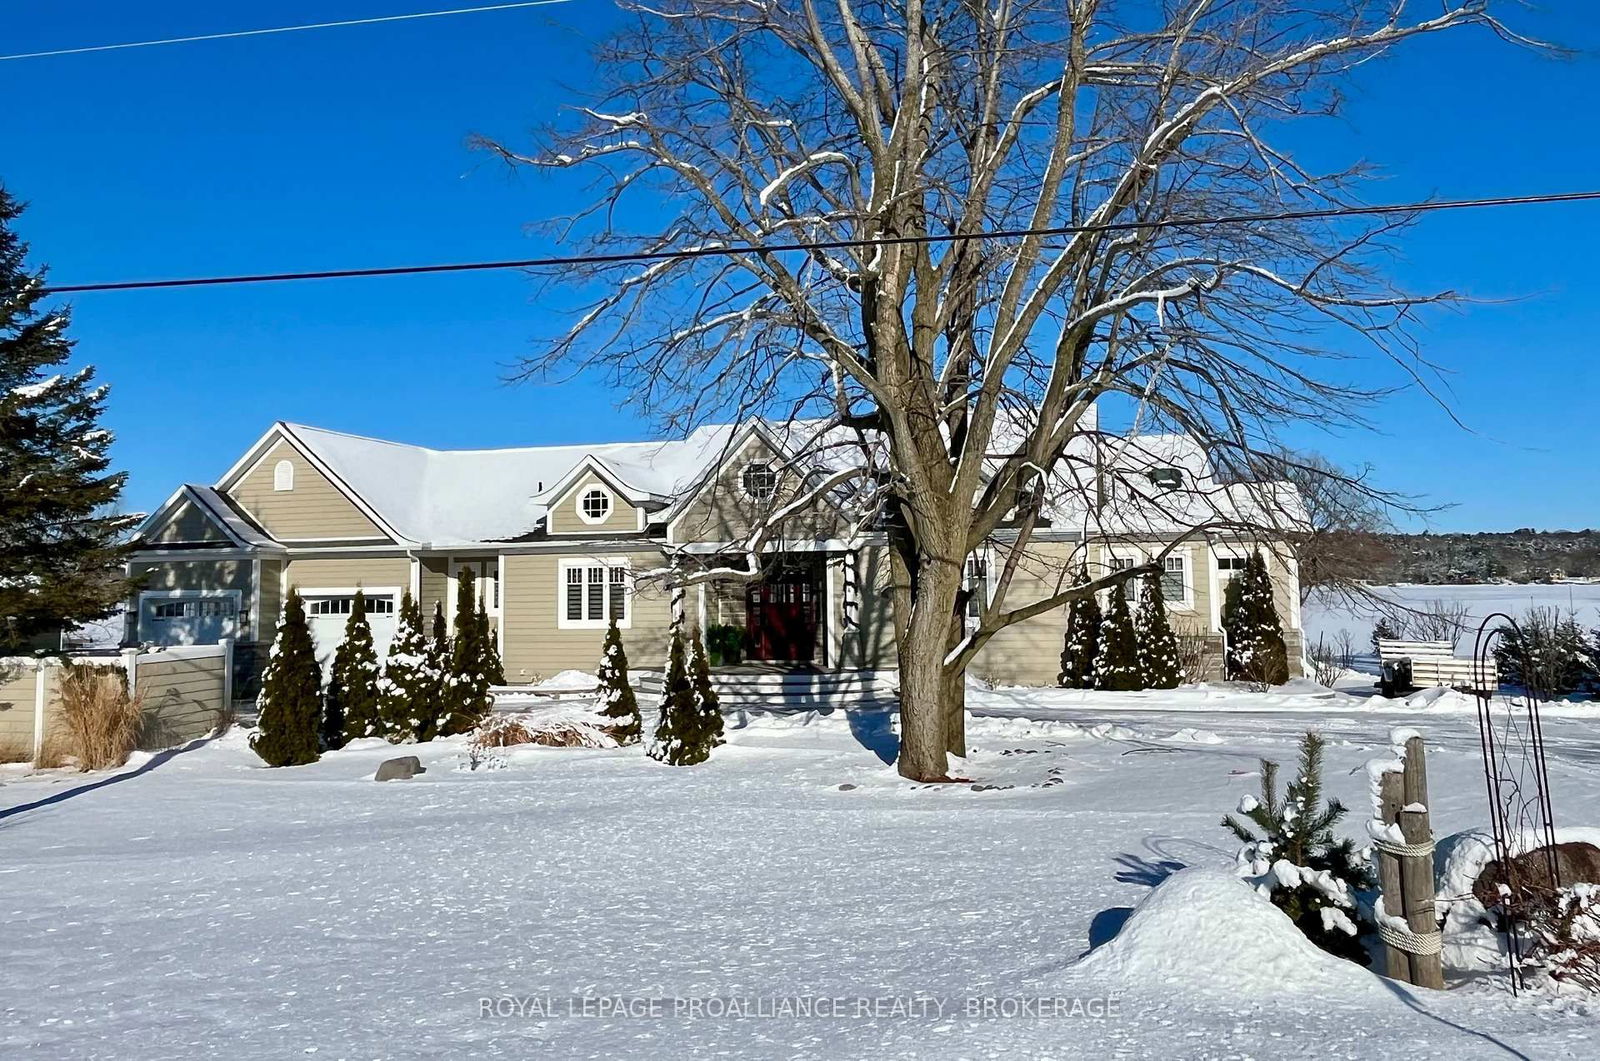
point(551, 731)
point(1296, 862)
point(1566, 936)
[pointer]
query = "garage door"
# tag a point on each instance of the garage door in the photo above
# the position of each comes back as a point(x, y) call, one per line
point(188, 619)
point(327, 613)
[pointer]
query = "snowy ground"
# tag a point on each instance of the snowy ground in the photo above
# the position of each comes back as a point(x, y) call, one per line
point(200, 905)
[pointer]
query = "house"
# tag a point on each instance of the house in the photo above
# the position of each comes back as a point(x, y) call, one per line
point(558, 538)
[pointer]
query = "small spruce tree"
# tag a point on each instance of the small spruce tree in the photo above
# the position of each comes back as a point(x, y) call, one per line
point(1256, 650)
point(493, 666)
point(675, 742)
point(291, 694)
point(409, 689)
point(1082, 642)
point(617, 700)
point(468, 696)
point(708, 723)
point(351, 708)
point(1160, 665)
point(1292, 856)
point(1116, 667)
point(442, 698)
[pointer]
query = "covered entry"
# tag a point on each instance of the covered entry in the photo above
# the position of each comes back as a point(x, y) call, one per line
point(784, 611)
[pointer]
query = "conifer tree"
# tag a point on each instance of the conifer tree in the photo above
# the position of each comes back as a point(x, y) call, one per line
point(1256, 650)
point(1160, 664)
point(493, 666)
point(442, 700)
point(708, 707)
point(62, 544)
point(441, 629)
point(351, 710)
point(1082, 641)
point(675, 740)
point(1296, 860)
point(1116, 668)
point(617, 700)
point(468, 694)
point(291, 693)
point(409, 689)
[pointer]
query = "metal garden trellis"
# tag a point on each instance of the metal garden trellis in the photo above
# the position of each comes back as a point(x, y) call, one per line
point(1515, 775)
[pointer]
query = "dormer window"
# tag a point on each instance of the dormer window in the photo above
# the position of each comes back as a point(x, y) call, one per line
point(594, 504)
point(283, 476)
point(1166, 478)
point(759, 481)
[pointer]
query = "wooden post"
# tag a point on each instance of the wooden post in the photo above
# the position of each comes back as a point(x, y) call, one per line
point(1416, 871)
point(1391, 799)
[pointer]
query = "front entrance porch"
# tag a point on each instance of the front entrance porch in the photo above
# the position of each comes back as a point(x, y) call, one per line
point(784, 615)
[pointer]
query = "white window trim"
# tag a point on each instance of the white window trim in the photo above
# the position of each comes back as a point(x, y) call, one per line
point(986, 554)
point(1188, 602)
point(345, 591)
point(583, 492)
point(283, 476)
point(744, 490)
point(585, 562)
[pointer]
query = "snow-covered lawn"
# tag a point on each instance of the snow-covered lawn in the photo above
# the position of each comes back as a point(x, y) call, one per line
point(204, 906)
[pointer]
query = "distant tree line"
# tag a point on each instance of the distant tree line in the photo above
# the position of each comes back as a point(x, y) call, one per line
point(1524, 555)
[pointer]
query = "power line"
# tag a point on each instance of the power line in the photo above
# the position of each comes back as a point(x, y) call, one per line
point(280, 29)
point(711, 251)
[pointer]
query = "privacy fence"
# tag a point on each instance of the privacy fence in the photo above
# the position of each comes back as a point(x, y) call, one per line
point(187, 693)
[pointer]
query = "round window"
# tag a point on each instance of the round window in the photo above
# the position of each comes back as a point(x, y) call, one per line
point(595, 505)
point(759, 480)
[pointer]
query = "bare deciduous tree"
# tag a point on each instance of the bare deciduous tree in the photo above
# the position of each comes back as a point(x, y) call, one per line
point(968, 369)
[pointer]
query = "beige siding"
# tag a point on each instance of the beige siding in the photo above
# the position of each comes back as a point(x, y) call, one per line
point(350, 572)
point(182, 699)
point(315, 509)
point(870, 644)
point(564, 519)
point(17, 692)
point(271, 597)
point(536, 647)
point(722, 513)
point(187, 523)
point(433, 584)
point(1029, 653)
point(207, 574)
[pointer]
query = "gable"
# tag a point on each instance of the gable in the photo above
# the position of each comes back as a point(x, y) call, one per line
point(313, 508)
point(186, 524)
point(565, 516)
point(722, 510)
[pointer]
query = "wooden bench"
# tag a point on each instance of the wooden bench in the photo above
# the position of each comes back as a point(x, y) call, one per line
point(1435, 663)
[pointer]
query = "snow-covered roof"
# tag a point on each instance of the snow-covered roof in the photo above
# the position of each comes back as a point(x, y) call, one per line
point(455, 497)
point(445, 498)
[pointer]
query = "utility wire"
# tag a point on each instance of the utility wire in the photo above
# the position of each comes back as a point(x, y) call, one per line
point(623, 257)
point(279, 29)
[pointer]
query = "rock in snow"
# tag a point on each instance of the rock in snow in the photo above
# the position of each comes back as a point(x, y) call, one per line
point(399, 769)
point(1204, 931)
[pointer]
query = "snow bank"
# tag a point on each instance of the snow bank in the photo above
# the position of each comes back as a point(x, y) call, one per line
point(1205, 932)
point(576, 681)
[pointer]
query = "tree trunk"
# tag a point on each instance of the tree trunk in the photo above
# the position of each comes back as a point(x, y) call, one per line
point(954, 710)
point(923, 686)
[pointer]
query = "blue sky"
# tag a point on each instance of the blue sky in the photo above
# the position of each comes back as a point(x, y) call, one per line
point(347, 147)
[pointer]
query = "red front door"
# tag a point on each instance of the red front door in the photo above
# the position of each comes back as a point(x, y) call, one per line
point(781, 620)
